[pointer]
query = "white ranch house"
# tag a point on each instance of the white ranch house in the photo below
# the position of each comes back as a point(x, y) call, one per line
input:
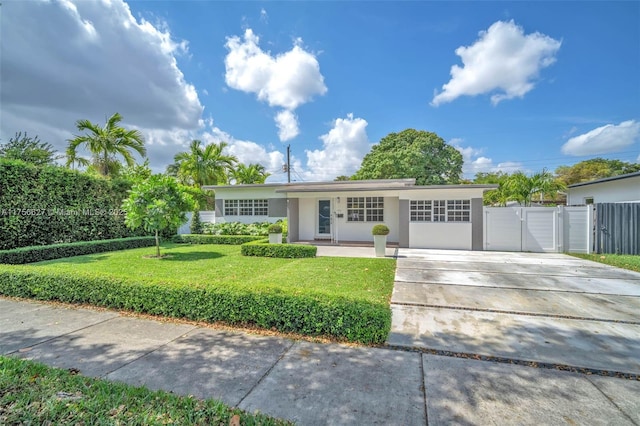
point(616, 189)
point(436, 216)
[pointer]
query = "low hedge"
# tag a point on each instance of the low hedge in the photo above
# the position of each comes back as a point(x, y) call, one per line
point(56, 251)
point(262, 248)
point(234, 240)
point(314, 315)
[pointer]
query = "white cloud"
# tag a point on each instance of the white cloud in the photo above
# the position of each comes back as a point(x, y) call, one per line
point(264, 16)
point(475, 162)
point(287, 80)
point(287, 123)
point(90, 60)
point(603, 140)
point(503, 61)
point(248, 152)
point(510, 167)
point(343, 148)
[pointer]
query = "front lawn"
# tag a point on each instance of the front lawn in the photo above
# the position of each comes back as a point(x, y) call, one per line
point(31, 393)
point(341, 297)
point(626, 261)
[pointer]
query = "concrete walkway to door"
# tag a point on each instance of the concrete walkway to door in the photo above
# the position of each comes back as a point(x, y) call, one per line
point(545, 308)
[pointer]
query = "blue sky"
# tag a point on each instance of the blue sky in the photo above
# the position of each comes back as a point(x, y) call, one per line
point(513, 85)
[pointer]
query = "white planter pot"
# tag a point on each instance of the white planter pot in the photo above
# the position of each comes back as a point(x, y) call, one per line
point(380, 244)
point(275, 238)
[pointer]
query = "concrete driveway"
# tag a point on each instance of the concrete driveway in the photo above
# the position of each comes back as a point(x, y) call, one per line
point(546, 308)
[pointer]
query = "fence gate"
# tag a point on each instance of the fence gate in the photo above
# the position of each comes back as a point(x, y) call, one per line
point(618, 228)
point(502, 228)
point(540, 229)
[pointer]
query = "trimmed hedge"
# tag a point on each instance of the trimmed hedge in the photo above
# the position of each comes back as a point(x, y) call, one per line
point(54, 205)
point(314, 315)
point(56, 251)
point(262, 248)
point(234, 240)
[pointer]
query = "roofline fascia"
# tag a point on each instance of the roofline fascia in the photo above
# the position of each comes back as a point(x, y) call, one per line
point(603, 180)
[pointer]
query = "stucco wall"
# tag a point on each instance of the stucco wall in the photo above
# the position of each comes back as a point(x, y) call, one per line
point(606, 192)
point(251, 193)
point(344, 230)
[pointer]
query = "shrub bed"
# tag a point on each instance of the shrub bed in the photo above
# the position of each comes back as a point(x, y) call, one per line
point(238, 228)
point(215, 239)
point(56, 251)
point(262, 248)
point(309, 314)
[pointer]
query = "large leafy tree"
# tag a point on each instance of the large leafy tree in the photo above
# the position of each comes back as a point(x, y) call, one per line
point(203, 165)
point(490, 177)
point(32, 150)
point(156, 204)
point(247, 174)
point(105, 145)
point(596, 168)
point(411, 153)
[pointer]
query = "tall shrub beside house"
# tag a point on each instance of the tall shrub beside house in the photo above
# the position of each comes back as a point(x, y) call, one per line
point(42, 205)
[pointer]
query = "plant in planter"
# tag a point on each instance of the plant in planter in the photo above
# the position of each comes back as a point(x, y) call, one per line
point(275, 233)
point(380, 233)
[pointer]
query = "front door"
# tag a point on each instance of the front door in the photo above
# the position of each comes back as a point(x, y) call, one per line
point(323, 229)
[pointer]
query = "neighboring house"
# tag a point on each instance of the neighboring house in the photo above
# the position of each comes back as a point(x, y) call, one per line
point(436, 216)
point(616, 189)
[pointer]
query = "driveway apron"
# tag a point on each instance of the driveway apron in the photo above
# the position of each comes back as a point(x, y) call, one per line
point(537, 307)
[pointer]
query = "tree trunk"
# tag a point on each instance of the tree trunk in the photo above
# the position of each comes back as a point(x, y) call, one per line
point(157, 245)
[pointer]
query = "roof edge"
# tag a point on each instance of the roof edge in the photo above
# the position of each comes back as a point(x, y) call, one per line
point(406, 182)
point(607, 179)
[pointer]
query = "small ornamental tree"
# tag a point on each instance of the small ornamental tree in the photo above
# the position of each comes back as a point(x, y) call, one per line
point(196, 223)
point(156, 204)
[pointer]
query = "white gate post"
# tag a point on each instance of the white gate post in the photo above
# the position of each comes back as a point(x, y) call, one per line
point(560, 230)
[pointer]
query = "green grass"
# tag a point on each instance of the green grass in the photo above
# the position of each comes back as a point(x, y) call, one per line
point(340, 298)
point(31, 393)
point(626, 261)
point(207, 266)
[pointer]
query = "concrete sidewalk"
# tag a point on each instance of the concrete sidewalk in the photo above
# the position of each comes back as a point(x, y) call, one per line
point(310, 383)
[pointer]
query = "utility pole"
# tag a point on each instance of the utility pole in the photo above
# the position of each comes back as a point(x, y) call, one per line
point(289, 163)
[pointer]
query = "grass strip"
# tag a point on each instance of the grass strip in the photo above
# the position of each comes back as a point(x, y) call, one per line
point(625, 261)
point(32, 393)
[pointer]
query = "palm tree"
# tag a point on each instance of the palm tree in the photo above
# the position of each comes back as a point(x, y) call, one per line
point(497, 197)
point(73, 159)
point(106, 143)
point(252, 173)
point(522, 188)
point(203, 165)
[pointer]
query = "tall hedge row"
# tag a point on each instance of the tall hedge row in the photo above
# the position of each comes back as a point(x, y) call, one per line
point(49, 205)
